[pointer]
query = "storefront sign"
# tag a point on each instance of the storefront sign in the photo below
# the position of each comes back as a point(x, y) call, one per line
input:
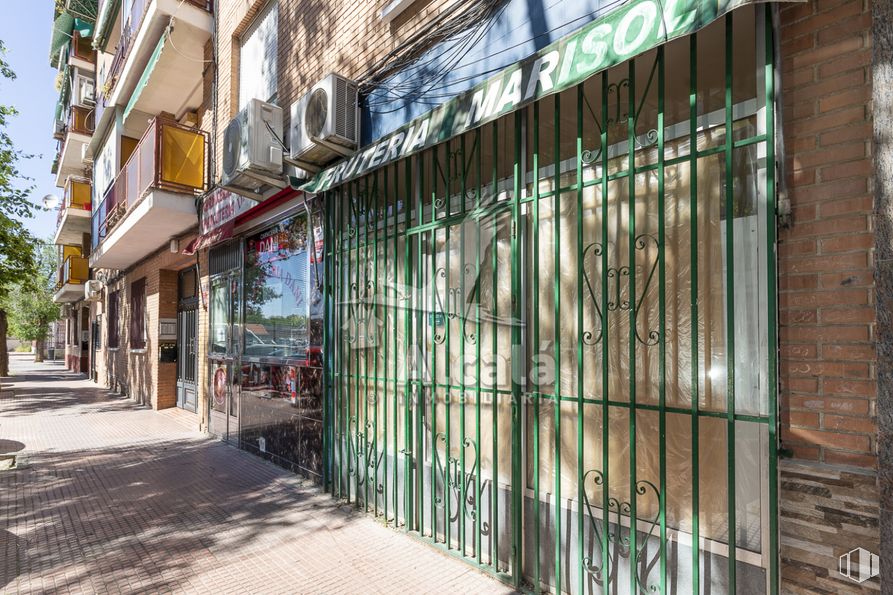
point(632, 29)
point(220, 207)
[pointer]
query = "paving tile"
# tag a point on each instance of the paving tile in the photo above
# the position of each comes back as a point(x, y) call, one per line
point(114, 497)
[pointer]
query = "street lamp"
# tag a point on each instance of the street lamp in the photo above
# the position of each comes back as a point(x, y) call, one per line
point(50, 201)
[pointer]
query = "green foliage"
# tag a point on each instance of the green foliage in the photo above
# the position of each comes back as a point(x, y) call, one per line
point(30, 313)
point(18, 262)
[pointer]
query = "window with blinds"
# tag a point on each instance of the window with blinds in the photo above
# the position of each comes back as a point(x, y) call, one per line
point(112, 320)
point(257, 57)
point(138, 314)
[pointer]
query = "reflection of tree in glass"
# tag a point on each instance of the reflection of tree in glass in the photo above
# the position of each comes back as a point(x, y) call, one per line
point(275, 257)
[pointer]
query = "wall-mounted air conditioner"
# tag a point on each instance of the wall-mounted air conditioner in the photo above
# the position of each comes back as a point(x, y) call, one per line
point(252, 149)
point(324, 123)
point(93, 290)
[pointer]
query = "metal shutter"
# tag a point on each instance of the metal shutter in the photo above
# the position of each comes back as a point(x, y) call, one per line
point(258, 57)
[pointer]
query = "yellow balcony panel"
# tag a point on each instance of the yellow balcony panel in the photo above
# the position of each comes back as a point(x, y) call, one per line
point(153, 196)
point(73, 220)
point(73, 273)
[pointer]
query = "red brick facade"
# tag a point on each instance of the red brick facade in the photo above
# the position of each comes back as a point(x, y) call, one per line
point(828, 378)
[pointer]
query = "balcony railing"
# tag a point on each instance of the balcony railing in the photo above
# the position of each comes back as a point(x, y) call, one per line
point(169, 157)
point(73, 270)
point(132, 21)
point(82, 48)
point(81, 120)
point(77, 196)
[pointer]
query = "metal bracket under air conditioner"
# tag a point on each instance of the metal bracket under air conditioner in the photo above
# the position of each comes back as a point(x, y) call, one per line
point(305, 165)
point(242, 192)
point(265, 179)
point(343, 151)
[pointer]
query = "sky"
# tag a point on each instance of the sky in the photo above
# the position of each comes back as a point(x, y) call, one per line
point(33, 93)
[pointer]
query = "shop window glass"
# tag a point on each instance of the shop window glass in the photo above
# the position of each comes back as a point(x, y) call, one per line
point(278, 290)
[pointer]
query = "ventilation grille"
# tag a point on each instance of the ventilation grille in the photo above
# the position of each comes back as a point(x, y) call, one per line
point(345, 109)
point(224, 257)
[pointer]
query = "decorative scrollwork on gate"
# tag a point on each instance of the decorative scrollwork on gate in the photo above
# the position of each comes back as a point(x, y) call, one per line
point(617, 280)
point(363, 448)
point(454, 481)
point(620, 545)
point(453, 306)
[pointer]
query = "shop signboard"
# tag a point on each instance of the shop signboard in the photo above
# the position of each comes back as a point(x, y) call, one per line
point(628, 31)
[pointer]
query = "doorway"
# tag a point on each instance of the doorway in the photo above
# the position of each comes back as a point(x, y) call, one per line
point(224, 341)
point(187, 331)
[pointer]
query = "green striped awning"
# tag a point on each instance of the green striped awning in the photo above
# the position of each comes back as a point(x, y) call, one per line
point(63, 28)
point(104, 23)
point(147, 73)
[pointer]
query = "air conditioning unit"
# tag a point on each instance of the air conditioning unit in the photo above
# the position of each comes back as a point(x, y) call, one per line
point(93, 290)
point(252, 149)
point(325, 122)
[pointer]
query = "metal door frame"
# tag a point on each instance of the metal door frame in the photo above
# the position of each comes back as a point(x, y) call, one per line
point(187, 348)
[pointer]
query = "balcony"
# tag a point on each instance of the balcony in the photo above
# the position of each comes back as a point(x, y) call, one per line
point(73, 220)
point(72, 275)
point(156, 68)
point(152, 199)
point(75, 134)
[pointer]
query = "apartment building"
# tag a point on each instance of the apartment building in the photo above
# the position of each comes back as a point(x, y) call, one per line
point(515, 277)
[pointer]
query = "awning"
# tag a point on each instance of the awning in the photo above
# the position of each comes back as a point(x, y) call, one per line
point(147, 72)
point(219, 234)
point(104, 23)
point(171, 78)
point(628, 31)
point(63, 28)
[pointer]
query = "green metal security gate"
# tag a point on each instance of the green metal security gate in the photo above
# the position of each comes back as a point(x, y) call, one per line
point(561, 325)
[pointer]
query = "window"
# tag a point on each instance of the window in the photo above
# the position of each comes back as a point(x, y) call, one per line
point(277, 290)
point(138, 314)
point(257, 57)
point(113, 321)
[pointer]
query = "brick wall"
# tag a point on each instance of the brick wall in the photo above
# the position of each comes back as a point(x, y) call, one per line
point(316, 37)
point(829, 495)
point(137, 372)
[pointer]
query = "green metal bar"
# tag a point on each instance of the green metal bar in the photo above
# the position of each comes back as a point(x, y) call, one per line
point(381, 289)
point(730, 308)
point(606, 364)
point(695, 334)
point(516, 361)
point(395, 315)
point(430, 273)
point(420, 321)
point(462, 322)
point(556, 293)
point(353, 276)
point(409, 314)
point(447, 395)
point(535, 280)
point(478, 490)
point(580, 406)
point(494, 490)
point(375, 198)
point(662, 315)
point(365, 382)
point(631, 165)
point(772, 289)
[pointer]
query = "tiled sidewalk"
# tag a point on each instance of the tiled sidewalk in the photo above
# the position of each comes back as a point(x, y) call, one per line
point(112, 497)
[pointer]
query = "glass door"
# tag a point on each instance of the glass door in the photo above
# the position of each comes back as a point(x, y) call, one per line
point(223, 356)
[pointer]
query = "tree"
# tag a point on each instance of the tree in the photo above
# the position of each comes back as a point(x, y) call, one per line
point(31, 309)
point(18, 265)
